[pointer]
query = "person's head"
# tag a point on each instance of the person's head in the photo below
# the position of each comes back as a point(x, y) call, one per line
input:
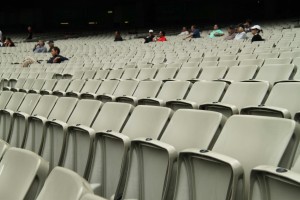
point(151, 32)
point(231, 30)
point(248, 23)
point(55, 51)
point(162, 33)
point(41, 43)
point(117, 33)
point(184, 29)
point(256, 29)
point(51, 43)
point(216, 27)
point(193, 27)
point(29, 28)
point(240, 28)
point(8, 40)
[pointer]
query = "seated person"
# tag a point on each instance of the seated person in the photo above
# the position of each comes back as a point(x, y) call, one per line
point(56, 57)
point(150, 37)
point(195, 33)
point(231, 33)
point(184, 31)
point(51, 45)
point(241, 34)
point(247, 25)
point(9, 43)
point(118, 36)
point(255, 30)
point(216, 32)
point(40, 47)
point(162, 37)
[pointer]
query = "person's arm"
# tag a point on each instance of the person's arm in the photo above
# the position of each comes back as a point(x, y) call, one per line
point(219, 33)
point(189, 36)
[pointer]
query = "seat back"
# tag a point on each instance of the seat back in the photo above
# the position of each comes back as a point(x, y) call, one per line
point(174, 90)
point(107, 87)
point(273, 73)
point(241, 73)
point(4, 98)
point(212, 73)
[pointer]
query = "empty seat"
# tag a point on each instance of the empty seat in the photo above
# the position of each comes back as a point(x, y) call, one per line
point(106, 87)
point(200, 93)
point(165, 73)
point(19, 84)
point(228, 63)
point(258, 62)
point(47, 86)
point(169, 91)
point(208, 63)
point(27, 85)
point(115, 74)
point(278, 61)
point(90, 87)
point(88, 74)
point(247, 56)
point(145, 89)
point(190, 64)
point(212, 73)
point(187, 73)
point(101, 74)
point(61, 85)
point(23, 174)
point(225, 171)
point(241, 73)
point(146, 73)
point(239, 95)
point(76, 85)
point(283, 101)
point(4, 98)
point(36, 123)
point(268, 55)
point(74, 186)
point(153, 178)
point(37, 85)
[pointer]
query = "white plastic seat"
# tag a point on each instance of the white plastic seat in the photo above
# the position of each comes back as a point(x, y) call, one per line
point(90, 87)
point(4, 98)
point(106, 87)
point(101, 74)
point(208, 64)
point(27, 86)
point(61, 85)
point(23, 174)
point(165, 73)
point(225, 171)
point(239, 95)
point(36, 123)
point(115, 74)
point(241, 73)
point(187, 73)
point(88, 74)
point(146, 73)
point(278, 61)
point(247, 56)
point(200, 93)
point(92, 197)
point(258, 62)
point(190, 64)
point(130, 73)
point(268, 55)
point(170, 90)
point(18, 84)
point(75, 86)
point(48, 86)
point(74, 186)
point(212, 73)
point(37, 85)
point(228, 63)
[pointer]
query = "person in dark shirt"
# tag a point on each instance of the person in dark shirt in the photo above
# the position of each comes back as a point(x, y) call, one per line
point(118, 36)
point(195, 33)
point(9, 43)
point(150, 37)
point(56, 58)
point(255, 30)
point(30, 33)
point(51, 45)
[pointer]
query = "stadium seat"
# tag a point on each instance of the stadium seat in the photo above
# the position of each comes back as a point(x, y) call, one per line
point(76, 85)
point(49, 84)
point(61, 85)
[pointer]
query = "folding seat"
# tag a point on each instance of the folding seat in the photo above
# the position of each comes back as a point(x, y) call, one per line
point(47, 85)
point(4, 98)
point(88, 74)
point(75, 86)
point(228, 57)
point(200, 93)
point(148, 65)
point(10, 79)
point(274, 73)
point(114, 147)
point(32, 75)
point(19, 84)
point(258, 62)
point(208, 63)
point(186, 73)
point(77, 154)
point(101, 74)
point(154, 177)
point(145, 89)
point(5, 79)
point(37, 85)
point(92, 197)
point(212, 73)
point(158, 60)
point(239, 95)
point(228, 63)
point(46, 75)
point(27, 85)
point(61, 85)
point(74, 186)
point(247, 57)
point(224, 172)
point(159, 66)
point(90, 87)
point(23, 174)
point(106, 87)
point(115, 74)
point(210, 58)
point(174, 65)
point(5, 114)
point(195, 60)
point(3, 147)
point(73, 74)
point(56, 134)
point(36, 122)
point(125, 88)
point(169, 91)
point(119, 65)
point(146, 73)
point(268, 55)
point(165, 73)
point(190, 64)
point(278, 61)
point(130, 73)
point(291, 54)
point(241, 73)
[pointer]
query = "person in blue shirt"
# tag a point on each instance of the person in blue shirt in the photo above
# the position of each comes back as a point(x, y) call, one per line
point(40, 47)
point(195, 33)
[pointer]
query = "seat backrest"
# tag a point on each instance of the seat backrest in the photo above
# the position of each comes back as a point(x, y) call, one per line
point(173, 90)
point(274, 139)
point(130, 73)
point(126, 87)
point(273, 73)
point(23, 174)
point(147, 89)
point(89, 74)
point(76, 85)
point(241, 73)
point(268, 55)
point(38, 84)
point(20, 82)
point(45, 105)
point(115, 74)
point(28, 84)
point(62, 85)
point(228, 63)
point(4, 98)
point(74, 186)
point(187, 73)
point(29, 103)
point(101, 74)
point(212, 73)
point(201, 129)
point(15, 101)
point(92, 197)
point(165, 73)
point(91, 86)
point(49, 84)
point(146, 73)
point(108, 87)
point(258, 62)
point(278, 61)
point(63, 108)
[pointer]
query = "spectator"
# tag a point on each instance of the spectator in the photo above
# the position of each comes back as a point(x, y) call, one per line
point(9, 43)
point(56, 57)
point(30, 33)
point(150, 37)
point(216, 32)
point(247, 25)
point(51, 45)
point(184, 31)
point(255, 30)
point(1, 35)
point(118, 36)
point(162, 37)
point(241, 34)
point(195, 33)
point(231, 33)
point(40, 47)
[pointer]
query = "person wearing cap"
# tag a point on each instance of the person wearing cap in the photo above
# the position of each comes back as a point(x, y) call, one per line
point(51, 45)
point(40, 47)
point(255, 30)
point(195, 33)
point(150, 37)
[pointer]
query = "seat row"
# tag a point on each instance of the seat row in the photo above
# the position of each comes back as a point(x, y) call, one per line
point(138, 153)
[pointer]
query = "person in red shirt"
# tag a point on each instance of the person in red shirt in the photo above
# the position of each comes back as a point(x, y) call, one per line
point(162, 37)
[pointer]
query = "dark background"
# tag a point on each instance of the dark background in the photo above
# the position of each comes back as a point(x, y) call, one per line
point(48, 15)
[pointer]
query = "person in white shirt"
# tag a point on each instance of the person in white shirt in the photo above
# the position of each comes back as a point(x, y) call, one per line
point(184, 31)
point(241, 34)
